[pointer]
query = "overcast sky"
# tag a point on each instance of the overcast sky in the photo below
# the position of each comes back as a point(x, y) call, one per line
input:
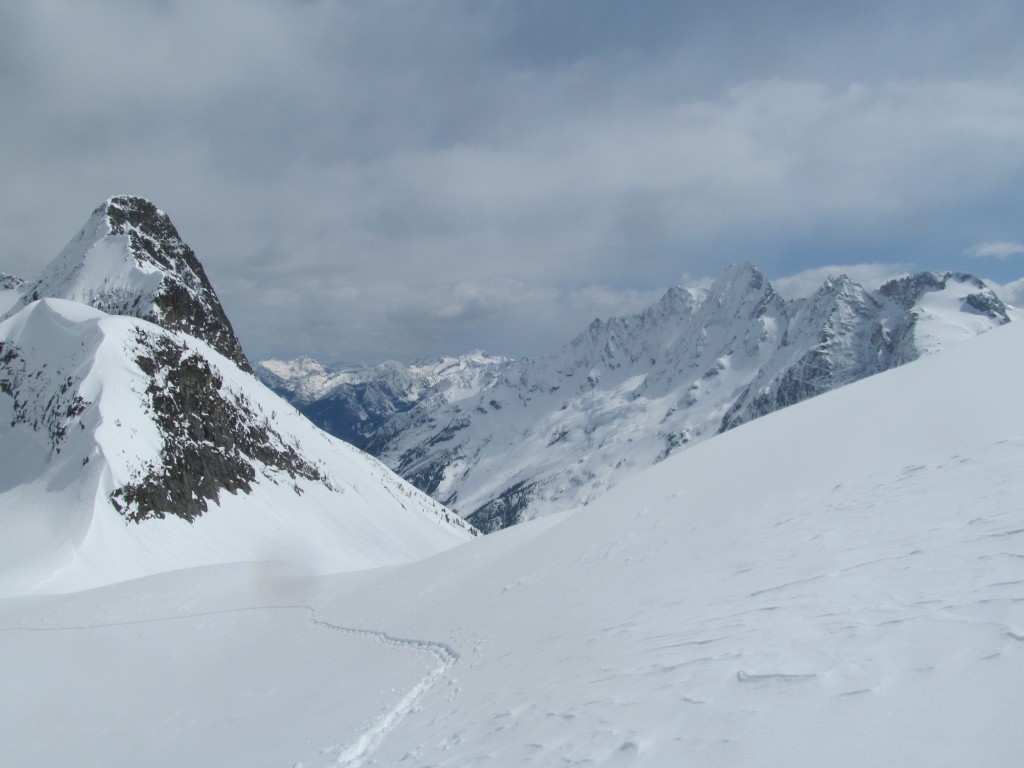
point(372, 180)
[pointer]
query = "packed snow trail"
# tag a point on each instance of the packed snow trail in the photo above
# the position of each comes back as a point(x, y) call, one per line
point(356, 751)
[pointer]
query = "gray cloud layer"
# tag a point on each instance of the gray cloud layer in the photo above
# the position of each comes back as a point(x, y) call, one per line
point(393, 179)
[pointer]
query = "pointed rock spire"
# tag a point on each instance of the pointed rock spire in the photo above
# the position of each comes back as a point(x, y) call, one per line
point(129, 260)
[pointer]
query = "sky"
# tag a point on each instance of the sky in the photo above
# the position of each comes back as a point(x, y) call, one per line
point(396, 180)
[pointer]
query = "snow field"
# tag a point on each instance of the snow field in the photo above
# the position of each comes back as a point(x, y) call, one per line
point(839, 583)
point(783, 595)
point(216, 686)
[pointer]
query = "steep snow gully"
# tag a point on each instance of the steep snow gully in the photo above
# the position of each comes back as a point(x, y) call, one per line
point(355, 752)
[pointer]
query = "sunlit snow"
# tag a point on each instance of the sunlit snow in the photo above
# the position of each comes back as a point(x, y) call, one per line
point(840, 583)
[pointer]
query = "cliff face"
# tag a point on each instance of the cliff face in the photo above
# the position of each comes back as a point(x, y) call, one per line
point(211, 438)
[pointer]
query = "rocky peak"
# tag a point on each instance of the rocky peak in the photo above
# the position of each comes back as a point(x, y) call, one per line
point(840, 303)
point(741, 292)
point(678, 302)
point(129, 260)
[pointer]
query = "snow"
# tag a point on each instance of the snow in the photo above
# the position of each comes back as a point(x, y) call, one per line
point(500, 441)
point(97, 266)
point(62, 531)
point(838, 583)
point(942, 320)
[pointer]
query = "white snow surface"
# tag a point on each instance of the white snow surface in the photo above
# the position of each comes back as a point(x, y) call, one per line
point(61, 531)
point(99, 268)
point(941, 319)
point(839, 583)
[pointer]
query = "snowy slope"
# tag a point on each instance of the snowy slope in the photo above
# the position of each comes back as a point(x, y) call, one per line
point(838, 583)
point(128, 259)
point(130, 450)
point(535, 436)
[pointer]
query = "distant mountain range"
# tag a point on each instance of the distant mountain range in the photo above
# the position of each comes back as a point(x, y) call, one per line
point(501, 440)
point(136, 440)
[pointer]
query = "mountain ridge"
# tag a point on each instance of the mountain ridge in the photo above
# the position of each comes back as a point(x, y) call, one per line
point(541, 434)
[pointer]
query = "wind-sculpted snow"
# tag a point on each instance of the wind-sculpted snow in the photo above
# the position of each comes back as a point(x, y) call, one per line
point(533, 436)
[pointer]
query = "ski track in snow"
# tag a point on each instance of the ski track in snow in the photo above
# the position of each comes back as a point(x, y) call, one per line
point(353, 754)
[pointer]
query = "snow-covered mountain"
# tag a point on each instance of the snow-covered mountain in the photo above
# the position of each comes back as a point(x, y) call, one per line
point(844, 332)
point(355, 402)
point(132, 448)
point(836, 584)
point(128, 259)
point(535, 436)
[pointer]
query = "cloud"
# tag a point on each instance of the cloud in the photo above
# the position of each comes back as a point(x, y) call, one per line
point(999, 250)
point(386, 179)
point(1012, 293)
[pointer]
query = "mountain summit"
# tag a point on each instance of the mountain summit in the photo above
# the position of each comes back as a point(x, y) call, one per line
point(128, 259)
point(135, 439)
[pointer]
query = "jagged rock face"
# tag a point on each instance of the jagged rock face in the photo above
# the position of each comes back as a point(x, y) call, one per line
point(130, 260)
point(46, 409)
point(538, 435)
point(211, 439)
point(506, 509)
point(832, 338)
